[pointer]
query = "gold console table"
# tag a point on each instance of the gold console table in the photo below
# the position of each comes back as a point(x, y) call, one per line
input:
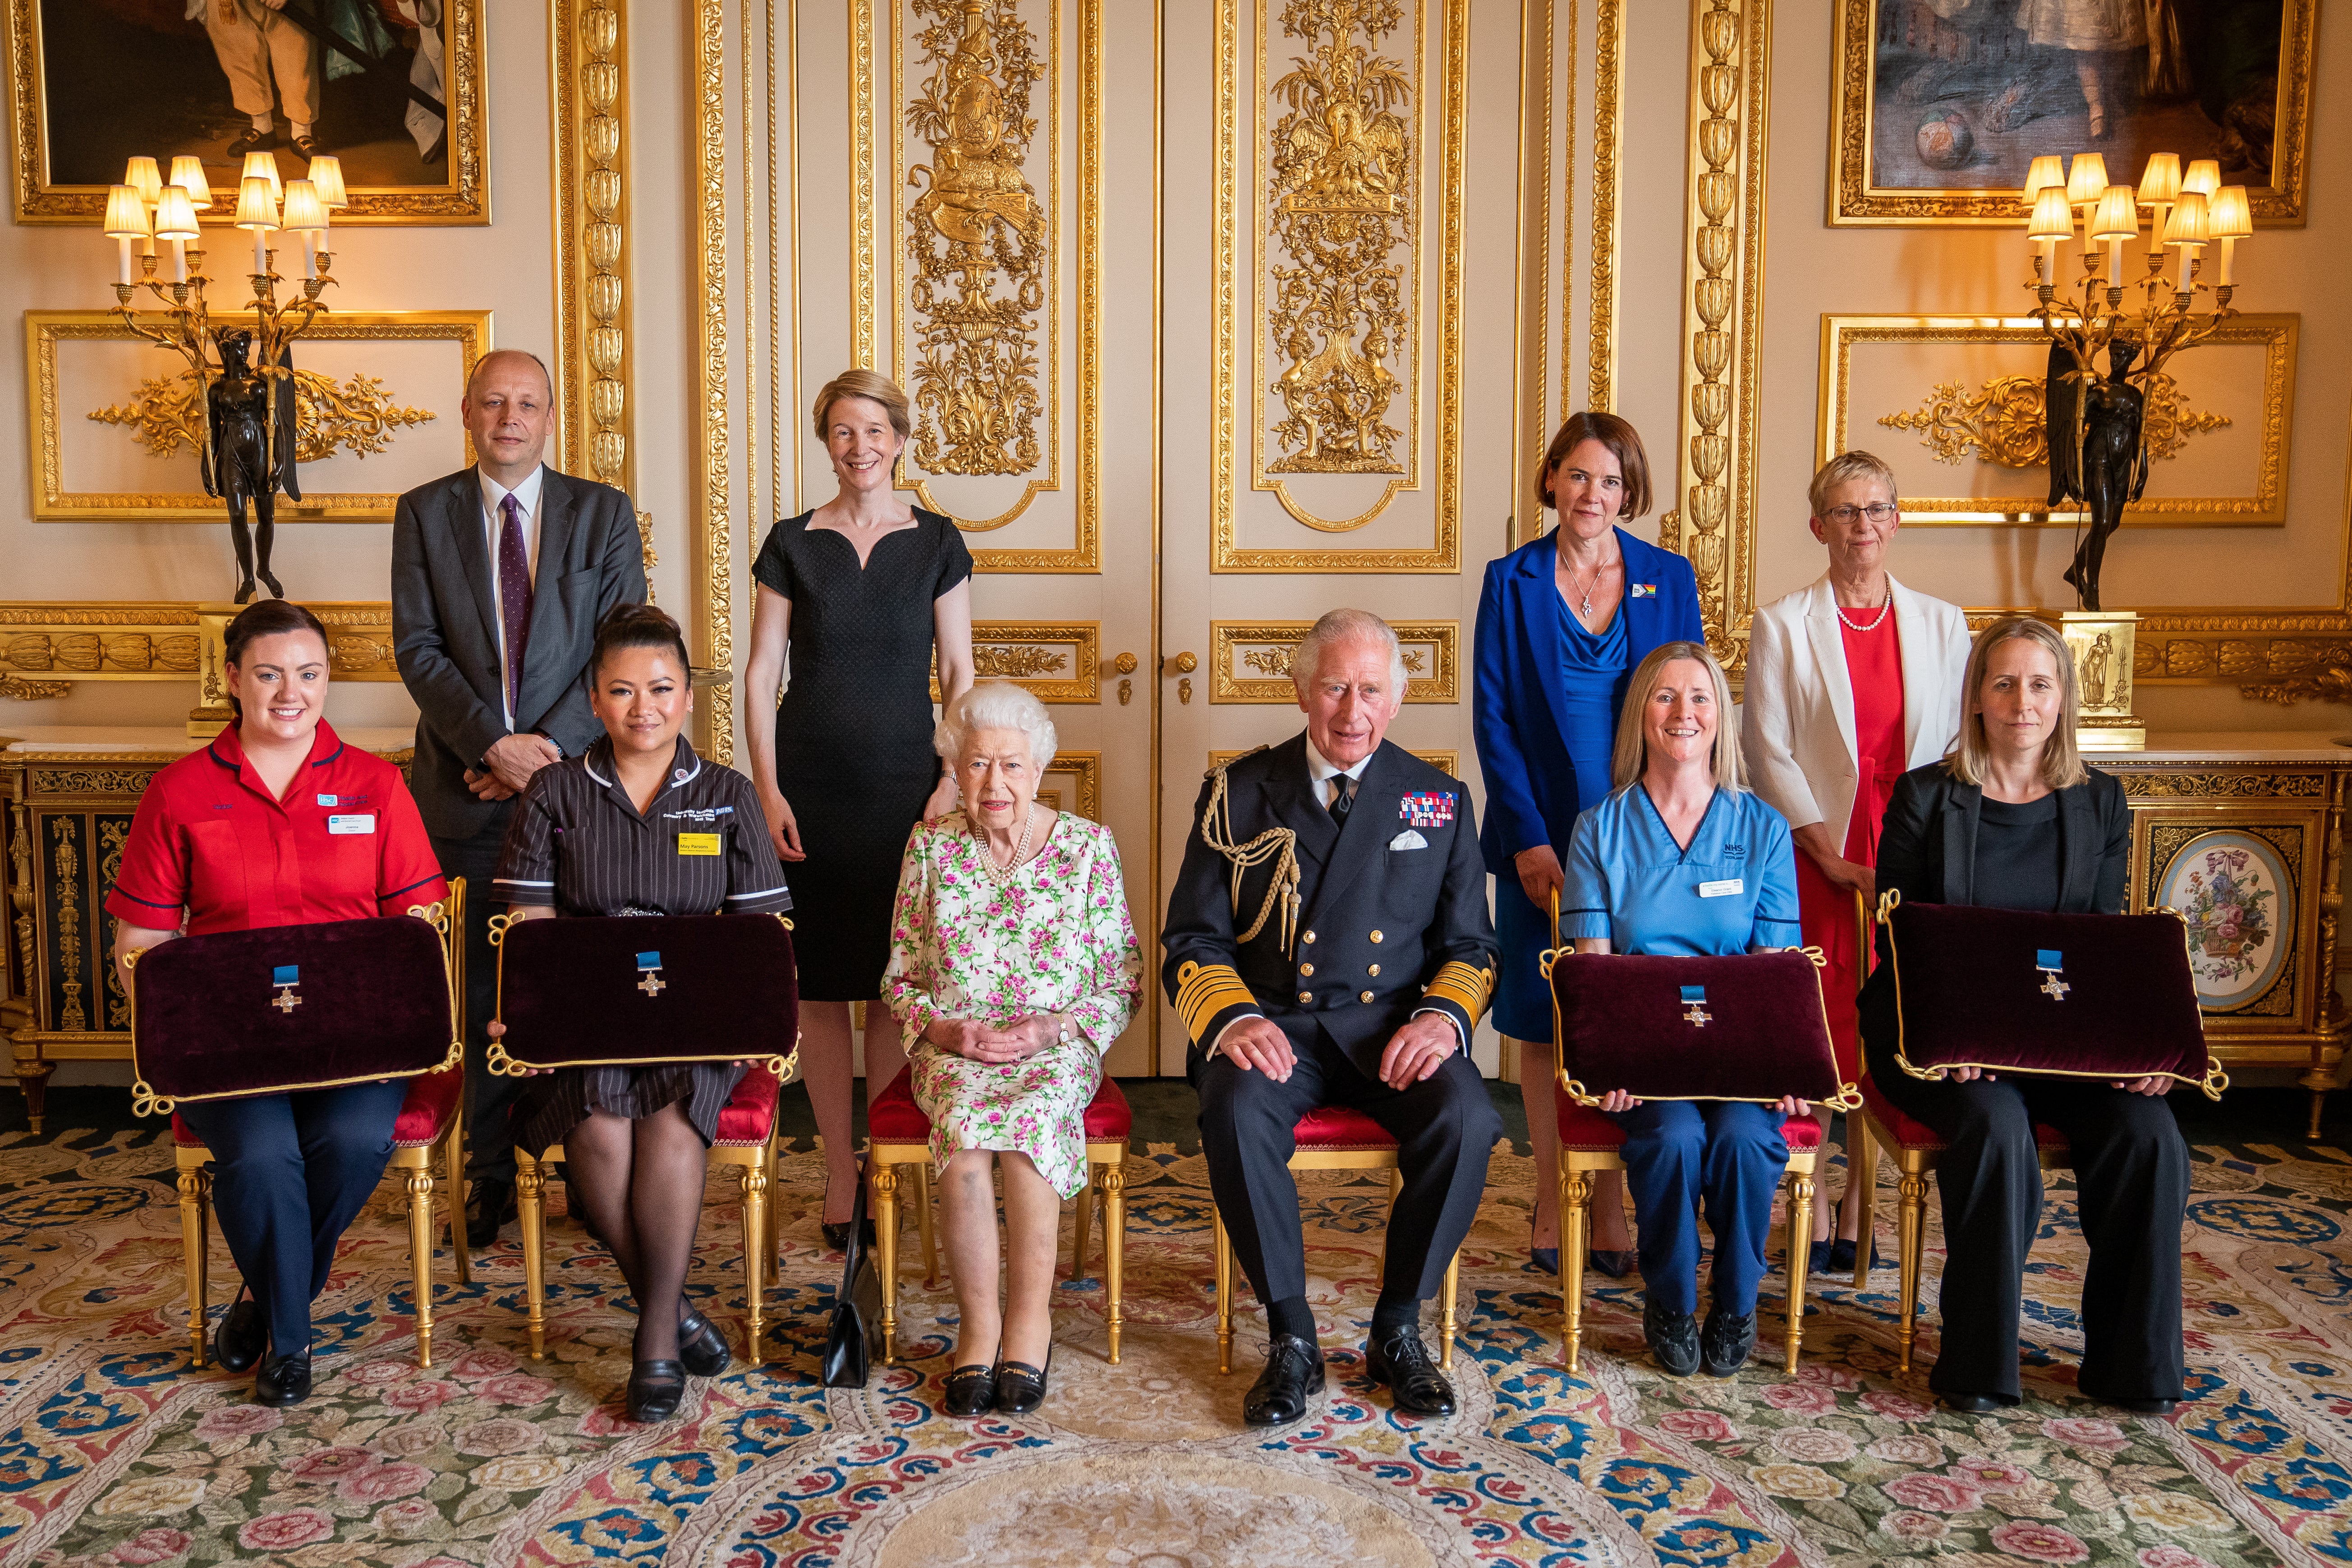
point(69, 795)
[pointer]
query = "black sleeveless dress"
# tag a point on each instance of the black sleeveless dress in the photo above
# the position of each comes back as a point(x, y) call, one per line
point(854, 732)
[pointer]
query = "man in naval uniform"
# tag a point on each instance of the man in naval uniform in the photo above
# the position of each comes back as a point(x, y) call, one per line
point(1327, 943)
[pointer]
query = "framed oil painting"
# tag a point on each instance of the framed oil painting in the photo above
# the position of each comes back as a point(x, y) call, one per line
point(393, 88)
point(1942, 105)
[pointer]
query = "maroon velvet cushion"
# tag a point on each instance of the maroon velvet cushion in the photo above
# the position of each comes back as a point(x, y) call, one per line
point(2097, 996)
point(894, 1118)
point(1745, 1027)
point(1910, 1133)
point(647, 988)
point(286, 1007)
point(1584, 1130)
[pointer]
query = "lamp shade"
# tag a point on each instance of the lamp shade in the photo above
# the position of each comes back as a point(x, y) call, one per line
point(264, 164)
point(304, 210)
point(327, 175)
point(2190, 224)
point(2204, 176)
point(2160, 182)
point(2117, 216)
point(2231, 216)
point(2048, 170)
point(126, 215)
point(2086, 178)
point(175, 217)
point(257, 207)
point(141, 175)
point(188, 174)
point(2053, 218)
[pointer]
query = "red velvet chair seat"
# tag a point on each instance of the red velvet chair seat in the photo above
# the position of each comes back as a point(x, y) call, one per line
point(1329, 1128)
point(432, 1100)
point(751, 1111)
point(1588, 1130)
point(1911, 1133)
point(894, 1118)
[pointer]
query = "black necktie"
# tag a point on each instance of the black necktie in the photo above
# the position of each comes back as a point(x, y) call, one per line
point(1340, 798)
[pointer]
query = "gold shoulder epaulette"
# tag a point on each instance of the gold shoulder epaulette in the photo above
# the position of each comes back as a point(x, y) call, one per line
point(1229, 761)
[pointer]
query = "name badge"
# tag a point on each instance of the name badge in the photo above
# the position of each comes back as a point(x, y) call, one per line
point(363, 822)
point(697, 844)
point(1731, 889)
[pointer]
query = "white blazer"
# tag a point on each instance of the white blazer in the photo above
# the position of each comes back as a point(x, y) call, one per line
point(1796, 717)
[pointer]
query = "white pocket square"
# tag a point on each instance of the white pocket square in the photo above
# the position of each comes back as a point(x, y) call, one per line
point(1409, 839)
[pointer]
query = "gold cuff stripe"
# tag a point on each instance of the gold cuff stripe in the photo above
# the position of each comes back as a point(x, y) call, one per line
point(1205, 990)
point(1464, 986)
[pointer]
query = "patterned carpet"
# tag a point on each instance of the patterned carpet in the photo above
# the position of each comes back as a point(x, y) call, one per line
point(112, 1453)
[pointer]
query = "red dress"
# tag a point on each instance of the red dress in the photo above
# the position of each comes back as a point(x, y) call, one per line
point(1874, 662)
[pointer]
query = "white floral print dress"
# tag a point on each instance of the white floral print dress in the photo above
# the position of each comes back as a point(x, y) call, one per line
point(1055, 939)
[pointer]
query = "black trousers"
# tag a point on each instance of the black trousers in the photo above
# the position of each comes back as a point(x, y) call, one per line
point(2131, 1173)
point(489, 1100)
point(1445, 1128)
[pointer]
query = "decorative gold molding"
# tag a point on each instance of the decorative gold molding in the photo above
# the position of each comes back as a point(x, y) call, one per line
point(1249, 660)
point(357, 416)
point(16, 688)
point(1055, 661)
point(1531, 298)
point(1854, 202)
point(52, 502)
point(1608, 186)
point(1447, 763)
point(1723, 276)
point(2278, 335)
point(2007, 420)
point(464, 200)
point(2259, 783)
point(1226, 553)
point(136, 641)
point(1083, 770)
point(712, 564)
point(862, 221)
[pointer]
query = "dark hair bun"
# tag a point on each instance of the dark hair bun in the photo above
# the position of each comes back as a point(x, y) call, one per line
point(637, 625)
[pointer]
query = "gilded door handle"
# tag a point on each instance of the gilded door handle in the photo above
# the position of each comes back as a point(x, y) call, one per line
point(1124, 663)
point(1184, 690)
point(1184, 663)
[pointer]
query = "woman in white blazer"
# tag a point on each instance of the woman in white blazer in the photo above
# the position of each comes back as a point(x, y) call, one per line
point(1851, 682)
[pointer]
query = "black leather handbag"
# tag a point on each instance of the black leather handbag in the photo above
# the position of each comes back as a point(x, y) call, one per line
point(853, 1342)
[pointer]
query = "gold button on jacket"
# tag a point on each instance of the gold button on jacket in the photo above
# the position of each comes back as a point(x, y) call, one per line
point(1306, 969)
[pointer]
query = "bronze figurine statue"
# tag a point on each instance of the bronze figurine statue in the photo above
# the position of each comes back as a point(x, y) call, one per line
point(2096, 455)
point(249, 453)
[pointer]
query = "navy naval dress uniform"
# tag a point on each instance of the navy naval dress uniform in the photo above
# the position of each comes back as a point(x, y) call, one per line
point(1390, 920)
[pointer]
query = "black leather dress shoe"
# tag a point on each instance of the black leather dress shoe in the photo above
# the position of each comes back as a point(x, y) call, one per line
point(1724, 1343)
point(307, 147)
point(1971, 1403)
point(700, 1346)
point(1672, 1338)
point(971, 1391)
point(242, 1336)
point(1020, 1387)
point(2146, 1406)
point(654, 1389)
point(283, 1380)
point(493, 1203)
point(251, 141)
point(837, 1237)
point(1406, 1365)
point(1294, 1372)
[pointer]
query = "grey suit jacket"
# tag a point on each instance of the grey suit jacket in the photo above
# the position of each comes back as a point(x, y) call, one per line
point(445, 630)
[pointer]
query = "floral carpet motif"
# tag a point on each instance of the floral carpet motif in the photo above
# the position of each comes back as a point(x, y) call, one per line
point(114, 1452)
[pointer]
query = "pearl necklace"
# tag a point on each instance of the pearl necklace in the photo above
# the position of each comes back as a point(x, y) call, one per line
point(1002, 876)
point(1875, 620)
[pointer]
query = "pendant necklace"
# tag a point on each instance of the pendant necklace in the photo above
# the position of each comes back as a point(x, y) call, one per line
point(1885, 606)
point(1585, 608)
point(1003, 878)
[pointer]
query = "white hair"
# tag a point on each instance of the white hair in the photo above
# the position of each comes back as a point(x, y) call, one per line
point(995, 705)
point(1346, 625)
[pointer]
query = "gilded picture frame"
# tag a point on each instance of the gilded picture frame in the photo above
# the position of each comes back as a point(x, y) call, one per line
point(1934, 118)
point(375, 96)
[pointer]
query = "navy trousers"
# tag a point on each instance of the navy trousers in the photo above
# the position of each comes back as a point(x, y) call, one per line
point(489, 1099)
point(1679, 1153)
point(289, 1174)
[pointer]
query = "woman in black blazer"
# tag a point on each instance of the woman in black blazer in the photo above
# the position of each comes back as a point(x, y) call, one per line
point(2013, 820)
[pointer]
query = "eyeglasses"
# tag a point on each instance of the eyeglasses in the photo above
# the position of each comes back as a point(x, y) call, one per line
point(1877, 511)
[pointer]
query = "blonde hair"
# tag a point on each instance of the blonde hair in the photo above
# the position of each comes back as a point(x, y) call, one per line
point(1632, 754)
point(1845, 468)
point(2061, 762)
point(868, 383)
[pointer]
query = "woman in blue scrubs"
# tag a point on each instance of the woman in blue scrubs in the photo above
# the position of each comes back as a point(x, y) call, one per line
point(1682, 859)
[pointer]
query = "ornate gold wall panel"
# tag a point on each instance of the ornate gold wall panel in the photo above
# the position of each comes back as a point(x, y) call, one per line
point(712, 568)
point(1538, 65)
point(1444, 762)
point(1713, 522)
point(1351, 163)
point(1608, 126)
point(1074, 783)
point(1056, 661)
point(1249, 660)
point(59, 644)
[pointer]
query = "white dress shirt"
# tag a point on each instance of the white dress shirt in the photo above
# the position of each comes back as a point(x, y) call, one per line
point(494, 495)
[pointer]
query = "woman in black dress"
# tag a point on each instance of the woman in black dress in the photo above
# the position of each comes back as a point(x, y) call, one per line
point(861, 590)
point(2013, 820)
point(606, 833)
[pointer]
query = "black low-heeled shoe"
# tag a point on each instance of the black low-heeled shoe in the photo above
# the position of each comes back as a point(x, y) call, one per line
point(283, 1380)
point(654, 1389)
point(242, 1336)
point(1975, 1403)
point(701, 1348)
point(837, 1237)
point(1020, 1387)
point(971, 1391)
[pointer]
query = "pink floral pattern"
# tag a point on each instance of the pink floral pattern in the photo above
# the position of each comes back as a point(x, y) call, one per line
point(2041, 1542)
point(1055, 939)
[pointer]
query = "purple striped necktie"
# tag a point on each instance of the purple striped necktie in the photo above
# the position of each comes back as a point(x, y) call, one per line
point(514, 597)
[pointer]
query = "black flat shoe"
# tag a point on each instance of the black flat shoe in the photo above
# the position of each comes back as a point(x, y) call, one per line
point(1294, 1372)
point(1972, 1404)
point(971, 1391)
point(1672, 1338)
point(1615, 1264)
point(1724, 1343)
point(1842, 1256)
point(283, 1380)
point(492, 1205)
point(251, 141)
point(306, 146)
point(700, 1346)
point(241, 1337)
point(1020, 1387)
point(654, 1389)
point(1404, 1364)
point(837, 1237)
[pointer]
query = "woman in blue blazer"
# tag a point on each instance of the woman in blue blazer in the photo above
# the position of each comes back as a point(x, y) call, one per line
point(1561, 624)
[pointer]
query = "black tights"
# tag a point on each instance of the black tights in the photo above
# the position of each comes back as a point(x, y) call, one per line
point(641, 1183)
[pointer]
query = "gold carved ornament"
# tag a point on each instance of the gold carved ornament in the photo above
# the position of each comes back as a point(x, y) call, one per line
point(977, 244)
point(358, 415)
point(2005, 421)
point(1341, 199)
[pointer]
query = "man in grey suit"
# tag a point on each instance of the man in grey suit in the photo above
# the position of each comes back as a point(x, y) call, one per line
point(499, 574)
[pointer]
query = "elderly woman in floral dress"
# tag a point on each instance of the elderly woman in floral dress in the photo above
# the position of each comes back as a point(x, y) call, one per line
point(1013, 968)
